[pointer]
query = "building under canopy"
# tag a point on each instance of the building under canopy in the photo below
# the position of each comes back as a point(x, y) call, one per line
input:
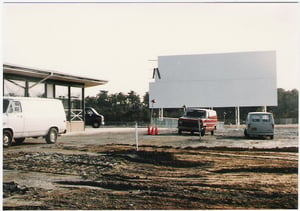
point(70, 89)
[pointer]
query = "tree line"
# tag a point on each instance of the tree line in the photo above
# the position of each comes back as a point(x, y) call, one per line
point(120, 108)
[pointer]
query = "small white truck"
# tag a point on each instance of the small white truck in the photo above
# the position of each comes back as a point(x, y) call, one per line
point(25, 117)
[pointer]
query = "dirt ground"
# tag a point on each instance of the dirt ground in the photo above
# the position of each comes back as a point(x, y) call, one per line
point(169, 171)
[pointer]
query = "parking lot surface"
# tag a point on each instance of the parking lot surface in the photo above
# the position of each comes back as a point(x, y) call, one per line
point(285, 136)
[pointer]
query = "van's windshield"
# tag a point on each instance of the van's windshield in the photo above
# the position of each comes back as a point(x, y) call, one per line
point(261, 117)
point(5, 105)
point(95, 112)
point(196, 113)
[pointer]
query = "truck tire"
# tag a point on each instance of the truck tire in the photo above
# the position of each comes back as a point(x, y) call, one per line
point(213, 131)
point(7, 138)
point(51, 137)
point(203, 132)
point(19, 140)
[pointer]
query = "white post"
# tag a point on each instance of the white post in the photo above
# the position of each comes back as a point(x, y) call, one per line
point(136, 136)
point(161, 113)
point(151, 114)
point(199, 127)
point(265, 109)
point(237, 116)
point(239, 122)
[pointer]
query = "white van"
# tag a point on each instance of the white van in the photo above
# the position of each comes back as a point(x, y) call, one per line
point(259, 124)
point(25, 117)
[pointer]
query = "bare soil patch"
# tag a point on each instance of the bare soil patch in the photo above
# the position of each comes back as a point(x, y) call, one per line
point(116, 176)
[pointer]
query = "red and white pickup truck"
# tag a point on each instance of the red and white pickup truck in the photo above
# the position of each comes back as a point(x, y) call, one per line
point(196, 120)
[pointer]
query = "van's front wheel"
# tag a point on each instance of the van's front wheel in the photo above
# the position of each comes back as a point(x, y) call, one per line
point(51, 137)
point(96, 124)
point(7, 138)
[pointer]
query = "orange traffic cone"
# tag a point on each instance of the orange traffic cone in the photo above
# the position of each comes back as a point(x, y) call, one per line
point(149, 131)
point(152, 131)
point(156, 131)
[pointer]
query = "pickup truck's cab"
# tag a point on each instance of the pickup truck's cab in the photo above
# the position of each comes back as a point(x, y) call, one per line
point(198, 120)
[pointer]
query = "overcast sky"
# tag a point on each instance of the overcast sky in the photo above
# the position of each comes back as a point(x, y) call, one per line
point(119, 41)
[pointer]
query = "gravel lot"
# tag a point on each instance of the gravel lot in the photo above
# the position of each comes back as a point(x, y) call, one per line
point(101, 169)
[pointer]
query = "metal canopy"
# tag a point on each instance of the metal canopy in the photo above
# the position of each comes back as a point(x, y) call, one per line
point(53, 75)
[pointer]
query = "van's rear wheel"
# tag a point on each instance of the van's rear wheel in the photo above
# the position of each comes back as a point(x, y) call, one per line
point(246, 133)
point(7, 138)
point(51, 137)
